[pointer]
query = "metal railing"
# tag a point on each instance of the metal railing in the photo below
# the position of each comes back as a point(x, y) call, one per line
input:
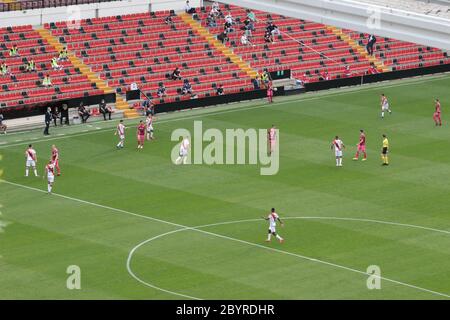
point(22, 5)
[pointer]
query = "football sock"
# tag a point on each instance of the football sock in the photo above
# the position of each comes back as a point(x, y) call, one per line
point(26, 172)
point(365, 155)
point(340, 161)
point(35, 172)
point(382, 114)
point(269, 235)
point(278, 237)
point(337, 161)
point(49, 188)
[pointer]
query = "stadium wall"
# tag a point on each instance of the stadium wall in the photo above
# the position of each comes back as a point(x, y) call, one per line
point(85, 11)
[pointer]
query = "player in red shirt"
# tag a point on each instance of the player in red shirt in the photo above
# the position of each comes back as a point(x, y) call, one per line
point(55, 159)
point(141, 134)
point(361, 146)
point(437, 113)
point(270, 92)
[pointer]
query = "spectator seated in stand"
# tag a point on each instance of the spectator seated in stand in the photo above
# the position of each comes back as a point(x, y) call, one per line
point(348, 72)
point(273, 29)
point(14, 51)
point(268, 37)
point(4, 70)
point(219, 90)
point(30, 66)
point(372, 69)
point(168, 20)
point(245, 41)
point(47, 82)
point(211, 21)
point(63, 55)
point(251, 15)
point(187, 88)
point(176, 74)
point(223, 37)
point(161, 91)
point(55, 64)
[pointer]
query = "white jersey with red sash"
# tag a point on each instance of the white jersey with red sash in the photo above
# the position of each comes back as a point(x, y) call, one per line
point(50, 168)
point(338, 146)
point(273, 216)
point(31, 157)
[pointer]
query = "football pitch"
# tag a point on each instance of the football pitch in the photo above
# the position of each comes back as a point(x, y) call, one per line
point(140, 227)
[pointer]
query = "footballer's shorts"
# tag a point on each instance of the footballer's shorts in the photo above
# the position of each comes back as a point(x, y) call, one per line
point(50, 178)
point(361, 148)
point(272, 229)
point(338, 153)
point(31, 163)
point(384, 151)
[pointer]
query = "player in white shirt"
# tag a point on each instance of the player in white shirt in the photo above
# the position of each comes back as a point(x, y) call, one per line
point(184, 148)
point(384, 105)
point(50, 173)
point(338, 147)
point(30, 155)
point(121, 132)
point(149, 125)
point(273, 218)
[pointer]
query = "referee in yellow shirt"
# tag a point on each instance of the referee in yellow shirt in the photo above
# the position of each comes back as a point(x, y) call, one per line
point(384, 151)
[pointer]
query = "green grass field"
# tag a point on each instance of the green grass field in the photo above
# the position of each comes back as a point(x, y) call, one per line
point(338, 221)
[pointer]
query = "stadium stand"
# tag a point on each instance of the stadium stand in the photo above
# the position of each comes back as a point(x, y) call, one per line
point(25, 88)
point(141, 48)
point(400, 55)
point(109, 54)
point(309, 49)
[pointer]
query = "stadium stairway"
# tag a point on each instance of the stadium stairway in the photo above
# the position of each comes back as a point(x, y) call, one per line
point(121, 104)
point(243, 65)
point(358, 48)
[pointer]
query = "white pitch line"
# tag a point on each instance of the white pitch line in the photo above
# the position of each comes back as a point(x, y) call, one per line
point(343, 91)
point(183, 228)
point(197, 228)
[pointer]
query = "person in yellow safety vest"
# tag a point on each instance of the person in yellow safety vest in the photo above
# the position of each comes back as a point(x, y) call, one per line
point(4, 69)
point(14, 51)
point(46, 81)
point(265, 78)
point(30, 66)
point(63, 54)
point(55, 64)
